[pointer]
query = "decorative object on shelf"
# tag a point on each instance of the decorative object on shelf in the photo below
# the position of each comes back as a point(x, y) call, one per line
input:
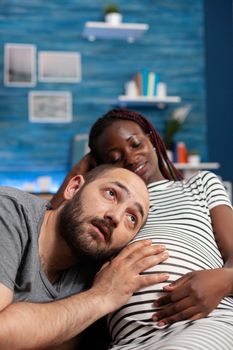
point(112, 14)
point(148, 82)
point(194, 157)
point(180, 153)
point(146, 88)
point(161, 89)
point(174, 123)
point(131, 88)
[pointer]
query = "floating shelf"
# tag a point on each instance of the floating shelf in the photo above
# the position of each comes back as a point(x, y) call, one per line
point(198, 166)
point(104, 30)
point(160, 102)
point(188, 169)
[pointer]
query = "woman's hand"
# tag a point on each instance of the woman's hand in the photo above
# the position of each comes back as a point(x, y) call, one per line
point(193, 296)
point(86, 164)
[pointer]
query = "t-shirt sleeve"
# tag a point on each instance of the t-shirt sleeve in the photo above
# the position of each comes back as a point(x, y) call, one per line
point(12, 224)
point(214, 190)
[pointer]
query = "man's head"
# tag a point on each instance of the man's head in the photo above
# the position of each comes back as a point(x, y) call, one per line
point(103, 212)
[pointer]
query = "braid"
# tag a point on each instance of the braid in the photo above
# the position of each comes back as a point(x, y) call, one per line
point(166, 167)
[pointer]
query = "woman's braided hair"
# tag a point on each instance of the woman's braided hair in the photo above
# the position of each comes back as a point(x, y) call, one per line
point(166, 167)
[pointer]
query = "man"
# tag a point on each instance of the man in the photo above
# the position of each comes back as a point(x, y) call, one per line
point(45, 254)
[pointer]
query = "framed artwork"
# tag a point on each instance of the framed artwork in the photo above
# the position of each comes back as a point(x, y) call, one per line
point(55, 66)
point(50, 106)
point(19, 65)
point(79, 148)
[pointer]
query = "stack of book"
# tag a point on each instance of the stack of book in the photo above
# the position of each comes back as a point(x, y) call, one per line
point(147, 83)
point(146, 88)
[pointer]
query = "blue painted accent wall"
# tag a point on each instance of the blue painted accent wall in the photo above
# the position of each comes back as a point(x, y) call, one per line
point(219, 79)
point(173, 46)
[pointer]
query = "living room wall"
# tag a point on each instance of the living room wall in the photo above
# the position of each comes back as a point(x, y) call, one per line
point(173, 46)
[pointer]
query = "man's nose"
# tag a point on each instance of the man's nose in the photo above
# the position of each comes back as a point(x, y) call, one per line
point(113, 216)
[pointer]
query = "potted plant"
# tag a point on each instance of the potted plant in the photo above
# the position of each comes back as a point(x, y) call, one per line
point(173, 124)
point(112, 14)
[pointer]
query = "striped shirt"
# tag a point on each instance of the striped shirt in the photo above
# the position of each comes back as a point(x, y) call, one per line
point(179, 218)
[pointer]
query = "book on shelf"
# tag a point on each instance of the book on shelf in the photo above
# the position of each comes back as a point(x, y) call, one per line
point(138, 80)
point(145, 76)
point(151, 84)
point(153, 81)
point(147, 82)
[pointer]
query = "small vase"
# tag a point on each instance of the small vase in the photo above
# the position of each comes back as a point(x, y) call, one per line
point(131, 88)
point(194, 159)
point(113, 18)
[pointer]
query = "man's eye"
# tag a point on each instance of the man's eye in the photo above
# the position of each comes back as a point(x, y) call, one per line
point(111, 193)
point(133, 219)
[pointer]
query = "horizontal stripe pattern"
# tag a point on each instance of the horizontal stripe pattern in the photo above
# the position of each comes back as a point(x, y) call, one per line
point(179, 218)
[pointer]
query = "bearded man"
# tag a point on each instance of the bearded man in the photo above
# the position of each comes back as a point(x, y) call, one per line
point(48, 258)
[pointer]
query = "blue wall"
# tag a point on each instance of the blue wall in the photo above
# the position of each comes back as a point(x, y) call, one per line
point(173, 46)
point(219, 58)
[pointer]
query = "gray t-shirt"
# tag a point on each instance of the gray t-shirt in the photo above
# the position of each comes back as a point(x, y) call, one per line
point(21, 216)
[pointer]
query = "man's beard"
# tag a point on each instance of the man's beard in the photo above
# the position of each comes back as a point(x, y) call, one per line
point(84, 242)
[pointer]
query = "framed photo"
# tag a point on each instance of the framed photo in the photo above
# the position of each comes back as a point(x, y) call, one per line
point(50, 106)
point(79, 148)
point(55, 66)
point(19, 65)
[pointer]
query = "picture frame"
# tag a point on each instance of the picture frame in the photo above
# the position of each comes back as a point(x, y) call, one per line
point(59, 67)
point(50, 106)
point(79, 148)
point(19, 65)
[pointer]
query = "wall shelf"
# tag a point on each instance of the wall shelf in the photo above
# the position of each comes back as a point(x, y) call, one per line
point(198, 166)
point(160, 102)
point(188, 169)
point(104, 30)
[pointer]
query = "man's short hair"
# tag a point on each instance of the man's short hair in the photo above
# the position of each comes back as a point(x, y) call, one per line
point(98, 171)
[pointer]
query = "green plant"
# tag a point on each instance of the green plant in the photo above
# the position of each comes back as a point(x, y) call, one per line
point(111, 8)
point(174, 124)
point(193, 152)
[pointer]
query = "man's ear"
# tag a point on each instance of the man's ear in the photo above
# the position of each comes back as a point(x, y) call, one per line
point(73, 186)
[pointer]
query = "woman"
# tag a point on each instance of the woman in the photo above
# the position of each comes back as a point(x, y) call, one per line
point(194, 219)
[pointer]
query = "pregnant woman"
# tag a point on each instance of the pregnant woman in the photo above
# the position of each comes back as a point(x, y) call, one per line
point(193, 218)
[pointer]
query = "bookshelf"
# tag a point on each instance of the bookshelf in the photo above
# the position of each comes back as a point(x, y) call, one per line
point(160, 102)
point(104, 30)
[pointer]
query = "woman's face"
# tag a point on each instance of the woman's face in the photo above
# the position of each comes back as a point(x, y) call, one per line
point(124, 143)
